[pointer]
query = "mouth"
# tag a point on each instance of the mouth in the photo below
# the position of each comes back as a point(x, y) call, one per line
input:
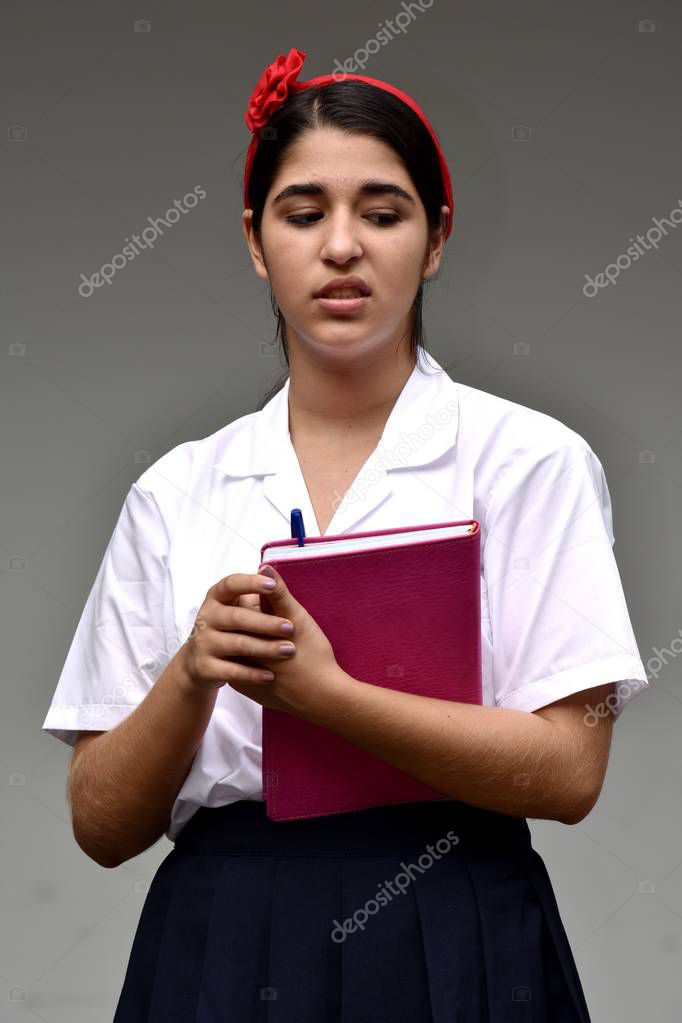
point(348, 301)
point(344, 295)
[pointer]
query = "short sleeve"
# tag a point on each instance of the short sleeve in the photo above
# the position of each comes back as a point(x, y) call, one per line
point(558, 614)
point(119, 647)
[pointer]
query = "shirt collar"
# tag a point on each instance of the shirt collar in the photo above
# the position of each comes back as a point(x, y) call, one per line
point(422, 425)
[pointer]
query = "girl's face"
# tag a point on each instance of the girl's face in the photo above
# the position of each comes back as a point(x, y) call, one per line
point(334, 226)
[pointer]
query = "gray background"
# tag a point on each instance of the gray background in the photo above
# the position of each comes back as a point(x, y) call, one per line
point(103, 126)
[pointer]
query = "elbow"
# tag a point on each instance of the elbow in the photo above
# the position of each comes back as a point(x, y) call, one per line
point(88, 838)
point(578, 809)
point(572, 817)
point(107, 864)
point(98, 856)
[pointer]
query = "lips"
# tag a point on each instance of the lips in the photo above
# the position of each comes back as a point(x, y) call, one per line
point(344, 287)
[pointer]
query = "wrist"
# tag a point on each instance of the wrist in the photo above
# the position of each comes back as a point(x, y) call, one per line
point(324, 704)
point(187, 684)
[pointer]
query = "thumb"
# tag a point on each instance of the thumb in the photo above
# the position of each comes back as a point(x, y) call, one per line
point(280, 597)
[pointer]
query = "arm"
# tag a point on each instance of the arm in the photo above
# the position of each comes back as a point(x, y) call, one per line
point(547, 764)
point(123, 783)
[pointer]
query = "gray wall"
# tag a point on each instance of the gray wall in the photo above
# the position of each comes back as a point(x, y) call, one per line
point(561, 126)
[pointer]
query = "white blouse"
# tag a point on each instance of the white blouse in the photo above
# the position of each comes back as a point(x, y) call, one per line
point(554, 619)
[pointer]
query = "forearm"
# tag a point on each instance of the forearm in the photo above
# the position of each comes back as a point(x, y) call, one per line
point(509, 761)
point(123, 785)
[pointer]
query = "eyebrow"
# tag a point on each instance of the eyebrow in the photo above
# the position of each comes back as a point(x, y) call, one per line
point(370, 187)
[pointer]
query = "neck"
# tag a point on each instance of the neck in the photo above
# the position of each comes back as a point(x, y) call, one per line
point(345, 403)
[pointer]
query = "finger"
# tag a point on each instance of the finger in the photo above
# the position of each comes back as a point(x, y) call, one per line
point(220, 672)
point(250, 619)
point(280, 598)
point(251, 600)
point(239, 645)
point(228, 589)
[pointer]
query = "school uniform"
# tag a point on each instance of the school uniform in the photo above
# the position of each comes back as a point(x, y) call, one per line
point(237, 924)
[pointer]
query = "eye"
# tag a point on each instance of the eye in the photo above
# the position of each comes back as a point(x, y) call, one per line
point(302, 219)
point(386, 218)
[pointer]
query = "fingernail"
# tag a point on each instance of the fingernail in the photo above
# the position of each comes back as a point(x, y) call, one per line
point(286, 648)
point(268, 584)
point(267, 676)
point(267, 570)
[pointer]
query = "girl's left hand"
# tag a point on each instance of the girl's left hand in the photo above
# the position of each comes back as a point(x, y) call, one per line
point(306, 677)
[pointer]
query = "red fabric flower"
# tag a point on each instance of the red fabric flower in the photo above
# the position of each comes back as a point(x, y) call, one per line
point(272, 88)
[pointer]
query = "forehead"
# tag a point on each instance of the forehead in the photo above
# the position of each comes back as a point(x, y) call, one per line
point(340, 160)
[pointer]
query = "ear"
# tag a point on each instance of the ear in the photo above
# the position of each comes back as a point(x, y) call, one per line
point(254, 245)
point(436, 245)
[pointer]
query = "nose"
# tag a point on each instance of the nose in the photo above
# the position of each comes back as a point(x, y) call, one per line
point(341, 238)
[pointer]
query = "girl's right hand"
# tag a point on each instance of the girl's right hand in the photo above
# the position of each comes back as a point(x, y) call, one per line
point(223, 633)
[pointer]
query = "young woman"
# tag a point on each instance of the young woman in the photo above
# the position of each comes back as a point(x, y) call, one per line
point(425, 912)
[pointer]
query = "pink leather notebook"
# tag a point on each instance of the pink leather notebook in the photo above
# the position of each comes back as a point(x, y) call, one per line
point(401, 609)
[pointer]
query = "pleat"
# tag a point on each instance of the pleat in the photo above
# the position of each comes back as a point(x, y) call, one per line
point(529, 969)
point(510, 922)
point(235, 981)
point(135, 996)
point(451, 940)
point(269, 955)
point(320, 934)
point(175, 990)
point(564, 989)
point(304, 966)
point(384, 973)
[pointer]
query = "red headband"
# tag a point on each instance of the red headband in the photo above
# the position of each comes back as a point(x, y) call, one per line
point(279, 79)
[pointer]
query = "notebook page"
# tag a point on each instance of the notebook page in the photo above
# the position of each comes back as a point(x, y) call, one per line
point(358, 543)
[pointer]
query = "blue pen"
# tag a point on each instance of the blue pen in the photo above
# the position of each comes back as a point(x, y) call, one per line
point(297, 527)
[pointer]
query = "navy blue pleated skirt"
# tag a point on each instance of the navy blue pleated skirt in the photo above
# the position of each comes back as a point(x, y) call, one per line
point(428, 912)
